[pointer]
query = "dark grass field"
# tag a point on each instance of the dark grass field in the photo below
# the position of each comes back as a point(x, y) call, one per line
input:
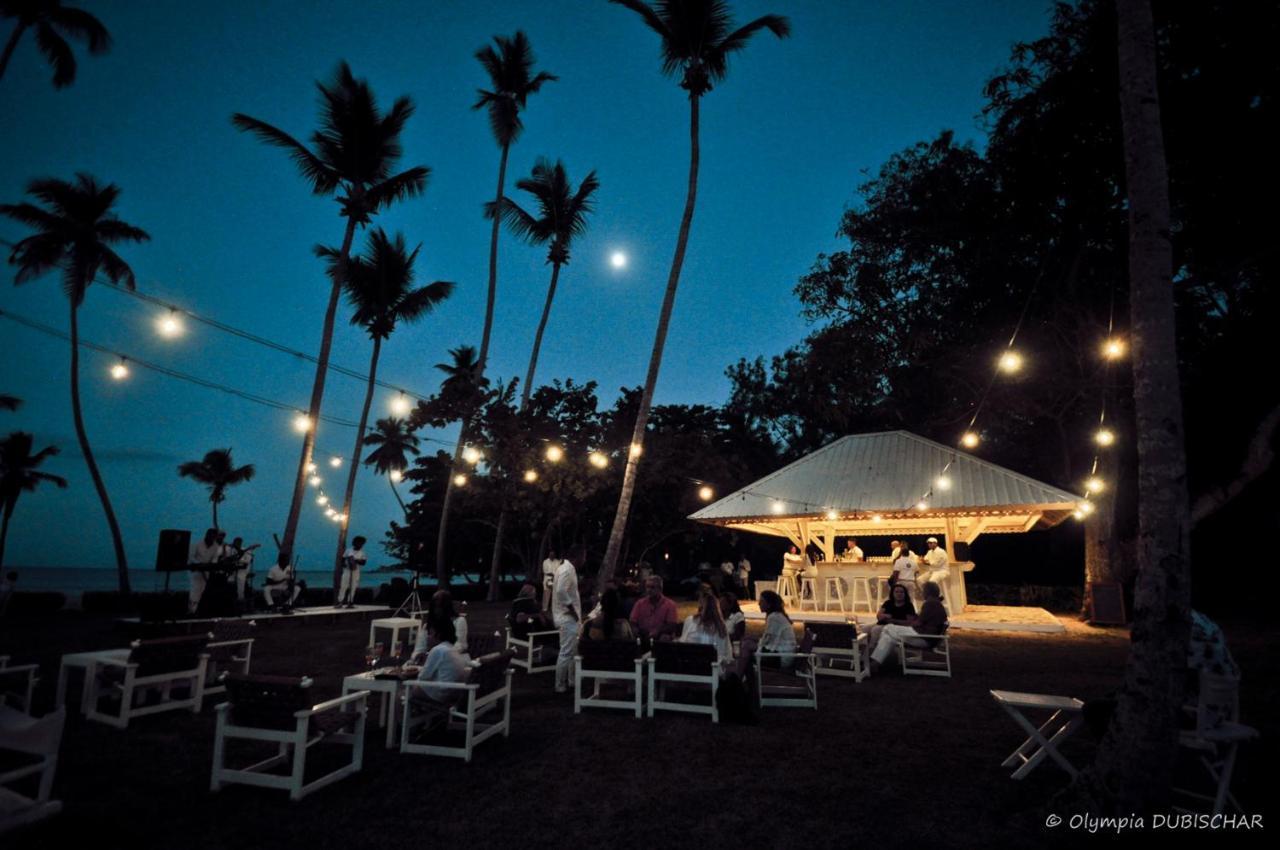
point(890, 762)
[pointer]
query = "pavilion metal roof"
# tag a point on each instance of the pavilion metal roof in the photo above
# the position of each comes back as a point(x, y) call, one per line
point(888, 473)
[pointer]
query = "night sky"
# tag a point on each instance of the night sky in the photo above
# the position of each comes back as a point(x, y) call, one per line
point(785, 141)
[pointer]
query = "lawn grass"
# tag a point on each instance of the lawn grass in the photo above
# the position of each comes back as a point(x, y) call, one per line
point(892, 761)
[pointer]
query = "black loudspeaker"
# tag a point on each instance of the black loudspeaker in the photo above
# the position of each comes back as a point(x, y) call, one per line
point(172, 552)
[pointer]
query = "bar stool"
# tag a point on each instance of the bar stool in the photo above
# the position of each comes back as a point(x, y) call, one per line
point(861, 587)
point(808, 592)
point(833, 592)
point(786, 588)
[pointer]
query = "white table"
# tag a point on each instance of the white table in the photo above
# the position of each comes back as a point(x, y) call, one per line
point(395, 625)
point(1067, 717)
point(390, 689)
point(88, 662)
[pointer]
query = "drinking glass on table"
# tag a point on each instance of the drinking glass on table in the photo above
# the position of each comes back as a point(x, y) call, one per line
point(397, 652)
point(372, 653)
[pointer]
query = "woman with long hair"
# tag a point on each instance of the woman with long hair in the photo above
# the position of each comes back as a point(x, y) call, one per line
point(608, 623)
point(441, 608)
point(707, 626)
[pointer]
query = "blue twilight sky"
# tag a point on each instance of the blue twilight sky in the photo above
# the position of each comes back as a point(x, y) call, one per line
point(784, 143)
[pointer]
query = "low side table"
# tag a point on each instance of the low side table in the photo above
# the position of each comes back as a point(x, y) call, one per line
point(395, 625)
point(1066, 718)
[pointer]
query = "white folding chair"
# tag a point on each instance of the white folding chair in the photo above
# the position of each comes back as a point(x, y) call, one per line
point(1215, 741)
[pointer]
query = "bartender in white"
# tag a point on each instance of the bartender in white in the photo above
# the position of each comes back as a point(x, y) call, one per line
point(934, 566)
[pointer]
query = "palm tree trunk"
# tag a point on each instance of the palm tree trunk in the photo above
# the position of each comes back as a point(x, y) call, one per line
point(215, 514)
point(4, 530)
point(317, 391)
point(610, 562)
point(122, 564)
point(9, 48)
point(354, 468)
point(1136, 759)
point(396, 493)
point(442, 567)
point(495, 561)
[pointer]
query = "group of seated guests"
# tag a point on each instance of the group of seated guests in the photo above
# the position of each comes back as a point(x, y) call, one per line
point(441, 649)
point(898, 622)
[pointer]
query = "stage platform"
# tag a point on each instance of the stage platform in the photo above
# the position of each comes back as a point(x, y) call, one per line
point(312, 613)
point(993, 618)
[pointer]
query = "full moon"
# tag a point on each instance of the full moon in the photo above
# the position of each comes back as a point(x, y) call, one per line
point(618, 260)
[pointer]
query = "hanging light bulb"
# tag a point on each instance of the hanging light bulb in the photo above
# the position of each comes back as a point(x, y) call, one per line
point(302, 423)
point(314, 480)
point(330, 513)
point(777, 507)
point(877, 518)
point(335, 461)
point(1104, 437)
point(471, 455)
point(1086, 507)
point(1078, 514)
point(1010, 361)
point(339, 518)
point(169, 325)
point(119, 371)
point(530, 476)
point(832, 516)
point(969, 440)
point(396, 476)
point(705, 493)
point(1094, 484)
point(459, 480)
point(400, 405)
point(1113, 348)
point(311, 467)
point(636, 449)
point(554, 453)
point(322, 499)
point(943, 482)
point(922, 505)
point(598, 460)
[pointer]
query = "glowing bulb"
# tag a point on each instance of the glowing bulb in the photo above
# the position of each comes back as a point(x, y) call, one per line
point(1086, 508)
point(1010, 361)
point(1113, 349)
point(877, 518)
point(1104, 437)
point(705, 493)
point(460, 480)
point(471, 455)
point(314, 480)
point(120, 371)
point(396, 476)
point(618, 260)
point(339, 518)
point(922, 505)
point(1095, 484)
point(969, 440)
point(330, 513)
point(636, 449)
point(400, 405)
point(1078, 514)
point(943, 482)
point(598, 460)
point(554, 453)
point(302, 423)
point(530, 476)
point(335, 461)
point(777, 507)
point(311, 467)
point(322, 499)
point(169, 325)
point(832, 515)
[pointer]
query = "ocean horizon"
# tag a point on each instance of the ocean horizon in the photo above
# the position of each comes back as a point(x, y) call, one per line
point(73, 580)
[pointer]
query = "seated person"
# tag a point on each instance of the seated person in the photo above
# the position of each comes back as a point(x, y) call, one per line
point(443, 663)
point(735, 622)
point(934, 568)
point(441, 606)
point(707, 626)
point(779, 636)
point(278, 580)
point(897, 609)
point(525, 615)
point(606, 621)
point(932, 620)
point(654, 615)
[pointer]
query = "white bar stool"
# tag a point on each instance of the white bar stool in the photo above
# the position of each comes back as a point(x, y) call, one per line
point(833, 593)
point(786, 588)
point(808, 592)
point(860, 591)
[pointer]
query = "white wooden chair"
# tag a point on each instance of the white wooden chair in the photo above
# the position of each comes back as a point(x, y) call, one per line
point(34, 742)
point(487, 690)
point(536, 651)
point(839, 649)
point(230, 649)
point(778, 684)
point(277, 710)
point(153, 666)
point(694, 664)
point(608, 661)
point(1215, 741)
point(931, 660)
point(18, 684)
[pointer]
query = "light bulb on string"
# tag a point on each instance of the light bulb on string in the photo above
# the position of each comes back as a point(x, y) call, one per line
point(970, 440)
point(530, 476)
point(705, 493)
point(832, 516)
point(554, 453)
point(335, 461)
point(777, 507)
point(322, 499)
point(471, 455)
point(922, 505)
point(311, 467)
point(460, 480)
point(877, 518)
point(400, 405)
point(636, 449)
point(1086, 507)
point(598, 460)
point(314, 480)
point(1094, 484)
point(120, 371)
point(1010, 362)
point(943, 482)
point(1113, 348)
point(1104, 437)
point(396, 476)
point(302, 423)
point(169, 325)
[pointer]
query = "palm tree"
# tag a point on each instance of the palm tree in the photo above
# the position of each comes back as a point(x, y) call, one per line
point(355, 151)
point(54, 23)
point(697, 39)
point(1137, 757)
point(18, 473)
point(511, 76)
point(379, 286)
point(395, 442)
point(217, 471)
point(10, 402)
point(463, 385)
point(562, 216)
point(76, 228)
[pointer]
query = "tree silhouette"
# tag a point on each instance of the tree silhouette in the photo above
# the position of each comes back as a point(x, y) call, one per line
point(53, 23)
point(19, 473)
point(217, 471)
point(394, 443)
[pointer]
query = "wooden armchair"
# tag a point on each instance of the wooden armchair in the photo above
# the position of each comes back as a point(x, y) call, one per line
point(428, 724)
point(278, 710)
point(685, 664)
point(536, 650)
point(787, 678)
point(839, 649)
point(18, 684)
point(153, 667)
point(230, 649)
point(608, 661)
point(33, 743)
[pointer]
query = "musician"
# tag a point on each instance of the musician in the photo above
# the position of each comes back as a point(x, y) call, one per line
point(352, 560)
point(280, 579)
point(243, 558)
point(207, 551)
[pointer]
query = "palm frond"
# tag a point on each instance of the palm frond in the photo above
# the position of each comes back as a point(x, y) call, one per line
point(406, 184)
point(116, 269)
point(523, 225)
point(36, 256)
point(83, 26)
point(648, 15)
point(58, 52)
point(115, 230)
point(32, 216)
point(324, 180)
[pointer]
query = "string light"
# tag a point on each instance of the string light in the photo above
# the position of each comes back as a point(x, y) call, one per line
point(705, 493)
point(554, 453)
point(970, 440)
point(400, 405)
point(1078, 514)
point(777, 507)
point(1095, 484)
point(311, 466)
point(1010, 362)
point(1104, 437)
point(943, 482)
point(471, 455)
point(877, 518)
point(339, 518)
point(169, 325)
point(1113, 348)
point(322, 499)
point(832, 516)
point(330, 513)
point(460, 480)
point(120, 371)
point(335, 461)
point(598, 460)
point(302, 423)
point(922, 505)
point(636, 449)
point(530, 476)
point(396, 476)
point(314, 480)
point(1086, 507)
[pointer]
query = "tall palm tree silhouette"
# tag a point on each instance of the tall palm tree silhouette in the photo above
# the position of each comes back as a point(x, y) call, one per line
point(379, 286)
point(53, 23)
point(697, 38)
point(394, 443)
point(19, 473)
point(463, 390)
point(76, 228)
point(217, 471)
point(355, 151)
